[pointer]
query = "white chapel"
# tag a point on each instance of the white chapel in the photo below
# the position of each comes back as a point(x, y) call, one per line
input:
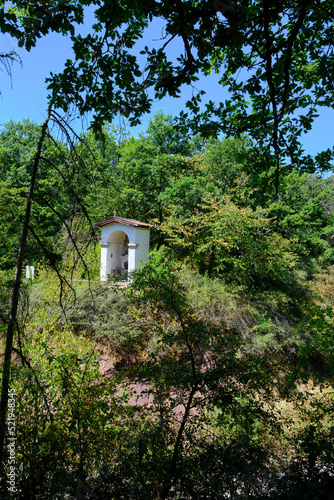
point(125, 244)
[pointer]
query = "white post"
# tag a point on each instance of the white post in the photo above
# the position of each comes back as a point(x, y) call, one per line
point(30, 272)
point(104, 261)
point(132, 257)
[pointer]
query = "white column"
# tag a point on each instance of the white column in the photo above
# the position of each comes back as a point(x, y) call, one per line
point(132, 257)
point(104, 261)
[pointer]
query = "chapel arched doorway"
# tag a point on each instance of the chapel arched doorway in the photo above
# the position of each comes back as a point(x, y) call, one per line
point(118, 259)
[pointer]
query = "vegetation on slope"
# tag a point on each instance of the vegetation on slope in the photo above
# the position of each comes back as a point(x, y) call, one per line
point(211, 376)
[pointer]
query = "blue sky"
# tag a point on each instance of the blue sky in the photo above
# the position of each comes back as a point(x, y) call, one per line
point(25, 96)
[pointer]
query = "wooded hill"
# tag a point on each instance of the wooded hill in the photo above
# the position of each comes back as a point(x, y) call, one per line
point(226, 334)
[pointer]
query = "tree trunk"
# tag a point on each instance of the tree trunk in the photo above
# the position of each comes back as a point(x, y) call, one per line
point(15, 294)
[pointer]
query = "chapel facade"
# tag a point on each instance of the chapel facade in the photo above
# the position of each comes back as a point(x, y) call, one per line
point(125, 244)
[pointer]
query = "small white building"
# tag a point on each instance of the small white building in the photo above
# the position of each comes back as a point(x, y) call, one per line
point(125, 244)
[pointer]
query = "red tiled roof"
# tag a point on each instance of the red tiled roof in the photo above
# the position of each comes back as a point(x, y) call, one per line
point(121, 220)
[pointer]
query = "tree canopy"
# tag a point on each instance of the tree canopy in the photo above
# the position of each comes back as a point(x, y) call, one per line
point(274, 60)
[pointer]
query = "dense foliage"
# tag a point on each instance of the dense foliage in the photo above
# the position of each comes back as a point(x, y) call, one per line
point(211, 376)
